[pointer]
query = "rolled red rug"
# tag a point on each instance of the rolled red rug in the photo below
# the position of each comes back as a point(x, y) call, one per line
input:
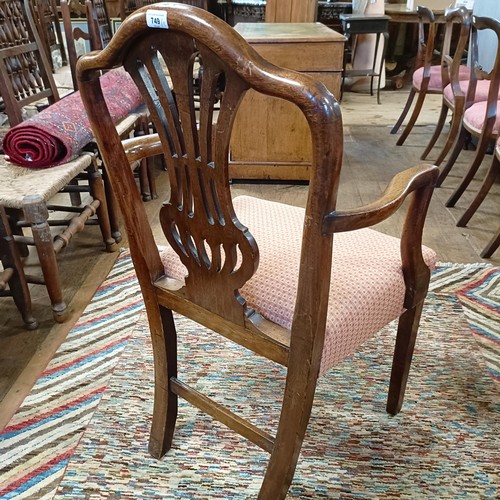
point(59, 132)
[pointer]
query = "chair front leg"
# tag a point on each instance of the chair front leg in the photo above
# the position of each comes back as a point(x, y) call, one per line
point(457, 148)
point(36, 213)
point(413, 118)
point(407, 107)
point(403, 353)
point(471, 172)
point(489, 180)
point(437, 131)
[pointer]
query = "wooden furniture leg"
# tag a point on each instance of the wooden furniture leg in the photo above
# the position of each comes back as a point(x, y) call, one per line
point(492, 246)
point(437, 131)
point(457, 148)
point(98, 193)
point(456, 121)
point(407, 107)
point(13, 274)
point(403, 352)
point(488, 182)
point(165, 401)
point(36, 213)
point(467, 178)
point(413, 118)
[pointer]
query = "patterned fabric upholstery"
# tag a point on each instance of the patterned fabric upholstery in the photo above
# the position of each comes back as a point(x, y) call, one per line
point(474, 117)
point(367, 287)
point(482, 89)
point(435, 81)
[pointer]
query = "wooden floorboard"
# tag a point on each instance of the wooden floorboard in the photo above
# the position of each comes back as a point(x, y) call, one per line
point(371, 158)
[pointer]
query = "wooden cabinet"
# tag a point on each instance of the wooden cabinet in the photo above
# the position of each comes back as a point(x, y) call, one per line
point(271, 138)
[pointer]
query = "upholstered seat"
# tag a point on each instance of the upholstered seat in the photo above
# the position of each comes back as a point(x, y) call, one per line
point(367, 287)
point(481, 93)
point(474, 118)
point(435, 84)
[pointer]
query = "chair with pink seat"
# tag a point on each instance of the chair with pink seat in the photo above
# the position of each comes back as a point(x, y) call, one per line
point(458, 76)
point(303, 287)
point(480, 119)
point(426, 77)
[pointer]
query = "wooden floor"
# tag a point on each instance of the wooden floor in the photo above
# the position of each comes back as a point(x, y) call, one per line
point(370, 159)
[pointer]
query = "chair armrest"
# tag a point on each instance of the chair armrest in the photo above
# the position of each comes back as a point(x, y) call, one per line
point(140, 147)
point(400, 186)
point(420, 182)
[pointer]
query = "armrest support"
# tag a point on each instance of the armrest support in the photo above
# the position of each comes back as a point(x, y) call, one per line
point(420, 182)
point(401, 185)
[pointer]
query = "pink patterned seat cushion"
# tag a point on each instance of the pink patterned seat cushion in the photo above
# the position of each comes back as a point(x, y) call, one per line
point(435, 80)
point(482, 89)
point(474, 117)
point(366, 290)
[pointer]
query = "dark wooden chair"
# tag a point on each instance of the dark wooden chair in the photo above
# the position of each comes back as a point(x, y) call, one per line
point(254, 271)
point(428, 77)
point(13, 281)
point(421, 79)
point(458, 76)
point(480, 119)
point(25, 79)
point(46, 17)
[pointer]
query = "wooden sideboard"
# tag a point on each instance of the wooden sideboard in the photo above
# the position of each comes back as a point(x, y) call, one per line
point(271, 138)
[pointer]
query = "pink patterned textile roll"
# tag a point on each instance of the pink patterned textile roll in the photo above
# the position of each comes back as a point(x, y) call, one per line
point(59, 132)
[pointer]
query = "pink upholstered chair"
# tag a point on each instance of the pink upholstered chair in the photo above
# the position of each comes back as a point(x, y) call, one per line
point(302, 287)
point(458, 76)
point(480, 119)
point(427, 78)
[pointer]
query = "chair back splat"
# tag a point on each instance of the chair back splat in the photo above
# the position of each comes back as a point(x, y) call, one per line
point(254, 271)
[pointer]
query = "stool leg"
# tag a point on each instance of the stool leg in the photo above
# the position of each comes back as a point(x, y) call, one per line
point(36, 213)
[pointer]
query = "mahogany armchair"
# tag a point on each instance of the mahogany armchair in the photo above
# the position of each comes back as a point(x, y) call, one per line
point(260, 273)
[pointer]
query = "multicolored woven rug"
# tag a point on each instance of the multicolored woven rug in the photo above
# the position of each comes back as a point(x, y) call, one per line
point(82, 433)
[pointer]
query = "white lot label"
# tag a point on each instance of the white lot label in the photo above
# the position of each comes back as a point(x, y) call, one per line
point(156, 19)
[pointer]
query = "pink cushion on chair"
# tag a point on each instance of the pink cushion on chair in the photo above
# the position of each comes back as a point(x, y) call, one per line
point(474, 117)
point(435, 80)
point(366, 290)
point(482, 89)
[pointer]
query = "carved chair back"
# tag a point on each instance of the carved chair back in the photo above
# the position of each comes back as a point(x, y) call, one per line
point(25, 74)
point(199, 220)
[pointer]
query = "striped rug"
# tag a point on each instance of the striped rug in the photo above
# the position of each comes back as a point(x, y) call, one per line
point(36, 445)
point(441, 446)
